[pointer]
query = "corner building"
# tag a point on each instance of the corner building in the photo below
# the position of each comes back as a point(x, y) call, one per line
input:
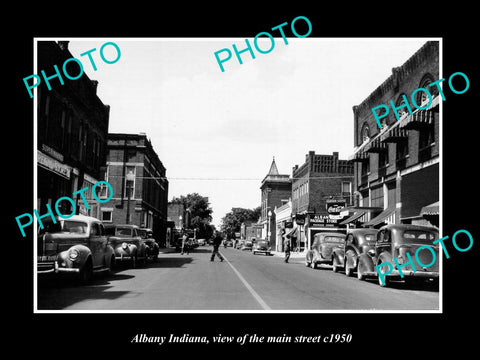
point(133, 168)
point(397, 167)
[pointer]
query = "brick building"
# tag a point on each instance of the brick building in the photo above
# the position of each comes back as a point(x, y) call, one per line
point(397, 166)
point(133, 168)
point(72, 127)
point(276, 191)
point(321, 188)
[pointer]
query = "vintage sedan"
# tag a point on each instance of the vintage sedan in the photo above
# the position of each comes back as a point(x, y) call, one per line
point(247, 245)
point(358, 241)
point(324, 246)
point(394, 242)
point(152, 247)
point(261, 247)
point(76, 245)
point(127, 243)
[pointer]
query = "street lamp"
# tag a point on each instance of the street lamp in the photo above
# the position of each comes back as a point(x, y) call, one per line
point(269, 214)
point(130, 177)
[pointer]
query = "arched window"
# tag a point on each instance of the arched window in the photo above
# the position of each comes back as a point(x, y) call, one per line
point(421, 95)
point(365, 133)
point(400, 103)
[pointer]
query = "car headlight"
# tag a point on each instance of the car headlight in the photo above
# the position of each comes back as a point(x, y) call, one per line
point(124, 246)
point(73, 254)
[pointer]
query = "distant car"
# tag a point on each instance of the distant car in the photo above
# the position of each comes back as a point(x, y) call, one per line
point(396, 240)
point(75, 245)
point(357, 242)
point(201, 242)
point(247, 245)
point(229, 243)
point(261, 247)
point(127, 243)
point(239, 244)
point(324, 246)
point(152, 247)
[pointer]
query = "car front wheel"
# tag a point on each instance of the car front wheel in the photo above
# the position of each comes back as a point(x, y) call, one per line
point(86, 273)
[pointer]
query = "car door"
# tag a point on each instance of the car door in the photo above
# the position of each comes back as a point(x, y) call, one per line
point(97, 244)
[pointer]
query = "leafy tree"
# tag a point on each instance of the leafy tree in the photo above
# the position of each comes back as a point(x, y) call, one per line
point(232, 221)
point(199, 213)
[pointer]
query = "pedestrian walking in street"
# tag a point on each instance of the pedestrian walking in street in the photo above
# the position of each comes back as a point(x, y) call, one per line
point(217, 241)
point(185, 243)
point(286, 245)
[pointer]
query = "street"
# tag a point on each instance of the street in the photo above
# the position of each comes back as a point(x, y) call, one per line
point(243, 282)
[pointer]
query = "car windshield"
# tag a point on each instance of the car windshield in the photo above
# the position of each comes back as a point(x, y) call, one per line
point(333, 239)
point(123, 231)
point(261, 243)
point(142, 233)
point(70, 226)
point(370, 238)
point(418, 236)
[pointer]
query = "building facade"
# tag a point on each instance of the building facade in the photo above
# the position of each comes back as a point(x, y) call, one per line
point(321, 189)
point(397, 166)
point(283, 223)
point(139, 183)
point(276, 191)
point(72, 127)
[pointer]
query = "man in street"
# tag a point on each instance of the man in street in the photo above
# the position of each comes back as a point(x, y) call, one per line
point(185, 243)
point(286, 246)
point(217, 240)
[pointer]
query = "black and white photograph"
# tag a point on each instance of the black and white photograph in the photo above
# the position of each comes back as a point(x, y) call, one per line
point(173, 173)
point(241, 182)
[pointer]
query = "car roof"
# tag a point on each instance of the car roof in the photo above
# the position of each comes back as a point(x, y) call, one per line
point(338, 234)
point(361, 231)
point(403, 227)
point(79, 217)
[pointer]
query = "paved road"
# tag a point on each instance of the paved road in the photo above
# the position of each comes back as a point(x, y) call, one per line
point(243, 282)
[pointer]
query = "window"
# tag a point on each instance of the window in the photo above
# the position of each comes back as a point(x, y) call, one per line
point(377, 197)
point(107, 216)
point(95, 229)
point(129, 184)
point(403, 109)
point(365, 133)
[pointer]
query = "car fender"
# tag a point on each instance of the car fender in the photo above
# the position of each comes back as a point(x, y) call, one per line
point(384, 256)
point(83, 254)
point(367, 261)
point(338, 254)
point(354, 251)
point(309, 256)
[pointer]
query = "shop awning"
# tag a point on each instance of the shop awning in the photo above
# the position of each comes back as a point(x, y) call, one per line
point(360, 156)
point(420, 118)
point(394, 135)
point(375, 146)
point(431, 210)
point(354, 217)
point(386, 216)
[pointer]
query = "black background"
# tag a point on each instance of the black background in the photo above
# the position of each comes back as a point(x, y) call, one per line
point(80, 335)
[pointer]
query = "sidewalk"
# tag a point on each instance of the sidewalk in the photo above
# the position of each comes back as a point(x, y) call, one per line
point(294, 256)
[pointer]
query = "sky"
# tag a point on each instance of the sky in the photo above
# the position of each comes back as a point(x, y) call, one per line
point(217, 132)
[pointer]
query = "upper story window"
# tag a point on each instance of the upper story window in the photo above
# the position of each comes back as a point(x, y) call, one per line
point(365, 133)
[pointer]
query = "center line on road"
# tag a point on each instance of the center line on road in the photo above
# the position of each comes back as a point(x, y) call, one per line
point(257, 297)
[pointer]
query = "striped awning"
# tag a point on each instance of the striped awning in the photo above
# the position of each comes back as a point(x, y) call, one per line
point(360, 156)
point(394, 135)
point(430, 210)
point(418, 120)
point(387, 216)
point(357, 215)
point(376, 146)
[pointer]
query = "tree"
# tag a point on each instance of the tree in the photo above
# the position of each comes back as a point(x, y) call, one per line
point(199, 213)
point(232, 221)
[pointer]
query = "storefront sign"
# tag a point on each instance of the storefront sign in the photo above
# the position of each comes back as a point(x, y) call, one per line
point(53, 165)
point(335, 207)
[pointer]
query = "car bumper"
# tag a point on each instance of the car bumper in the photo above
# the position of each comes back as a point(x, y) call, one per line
point(414, 274)
point(54, 268)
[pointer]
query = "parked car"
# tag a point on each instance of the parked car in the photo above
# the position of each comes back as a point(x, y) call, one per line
point(152, 247)
point(201, 242)
point(261, 246)
point(394, 241)
point(127, 243)
point(239, 244)
point(247, 245)
point(323, 248)
point(75, 245)
point(358, 241)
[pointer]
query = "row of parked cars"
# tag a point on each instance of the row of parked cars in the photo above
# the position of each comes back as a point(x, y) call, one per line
point(361, 250)
point(83, 245)
point(255, 246)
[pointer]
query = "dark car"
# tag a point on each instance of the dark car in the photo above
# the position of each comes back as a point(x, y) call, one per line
point(76, 245)
point(323, 248)
point(262, 247)
point(152, 247)
point(358, 241)
point(247, 245)
point(127, 243)
point(394, 241)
